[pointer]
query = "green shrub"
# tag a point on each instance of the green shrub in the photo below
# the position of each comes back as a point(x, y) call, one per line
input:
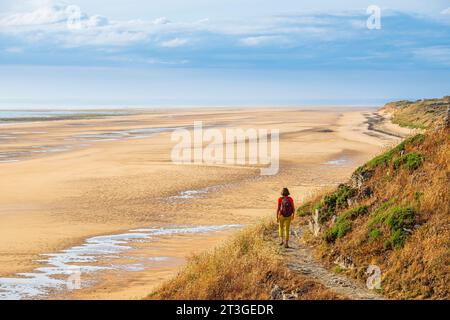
point(396, 219)
point(343, 223)
point(408, 124)
point(379, 213)
point(325, 214)
point(412, 161)
point(305, 210)
point(415, 140)
point(397, 239)
point(337, 269)
point(338, 230)
point(343, 227)
point(374, 234)
point(343, 194)
point(399, 218)
point(385, 158)
point(333, 201)
point(355, 212)
point(330, 200)
point(418, 196)
point(381, 160)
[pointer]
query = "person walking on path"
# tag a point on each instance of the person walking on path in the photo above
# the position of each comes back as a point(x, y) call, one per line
point(285, 214)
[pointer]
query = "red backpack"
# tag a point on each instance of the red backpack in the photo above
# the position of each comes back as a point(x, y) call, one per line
point(286, 207)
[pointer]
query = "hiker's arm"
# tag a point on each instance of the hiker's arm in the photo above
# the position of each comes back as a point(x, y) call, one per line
point(278, 212)
point(293, 210)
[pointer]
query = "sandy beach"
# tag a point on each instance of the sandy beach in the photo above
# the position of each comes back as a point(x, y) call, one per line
point(63, 183)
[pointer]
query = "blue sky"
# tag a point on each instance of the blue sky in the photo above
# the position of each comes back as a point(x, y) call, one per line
point(199, 52)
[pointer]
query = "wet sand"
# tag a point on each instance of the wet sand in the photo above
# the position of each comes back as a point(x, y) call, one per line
point(115, 174)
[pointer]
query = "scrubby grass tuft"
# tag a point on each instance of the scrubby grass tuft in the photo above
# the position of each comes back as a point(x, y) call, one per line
point(246, 267)
point(419, 114)
point(333, 201)
point(396, 157)
point(411, 161)
point(343, 223)
point(338, 230)
point(305, 210)
point(397, 219)
point(374, 234)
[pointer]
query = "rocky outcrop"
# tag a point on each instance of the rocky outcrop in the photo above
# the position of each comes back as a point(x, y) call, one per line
point(345, 262)
point(276, 293)
point(359, 177)
point(445, 122)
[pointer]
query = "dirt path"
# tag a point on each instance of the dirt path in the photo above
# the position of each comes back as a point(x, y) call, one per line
point(300, 260)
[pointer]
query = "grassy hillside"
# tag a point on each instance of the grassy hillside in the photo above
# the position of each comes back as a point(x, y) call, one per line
point(420, 114)
point(395, 213)
point(247, 267)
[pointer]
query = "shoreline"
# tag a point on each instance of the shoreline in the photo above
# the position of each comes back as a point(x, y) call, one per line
point(104, 249)
point(17, 116)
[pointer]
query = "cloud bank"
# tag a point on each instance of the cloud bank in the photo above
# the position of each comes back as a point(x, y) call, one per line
point(293, 40)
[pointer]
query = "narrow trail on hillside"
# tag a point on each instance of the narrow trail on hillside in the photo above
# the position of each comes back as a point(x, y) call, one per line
point(300, 260)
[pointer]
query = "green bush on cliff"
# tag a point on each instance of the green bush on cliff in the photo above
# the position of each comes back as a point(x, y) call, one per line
point(397, 219)
point(333, 201)
point(411, 161)
point(305, 210)
point(386, 158)
point(343, 223)
point(338, 230)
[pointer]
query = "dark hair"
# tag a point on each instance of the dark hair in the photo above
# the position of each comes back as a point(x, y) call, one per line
point(285, 192)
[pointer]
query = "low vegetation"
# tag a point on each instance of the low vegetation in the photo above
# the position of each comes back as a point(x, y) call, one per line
point(247, 267)
point(411, 161)
point(393, 155)
point(343, 223)
point(397, 220)
point(396, 215)
point(332, 202)
point(420, 114)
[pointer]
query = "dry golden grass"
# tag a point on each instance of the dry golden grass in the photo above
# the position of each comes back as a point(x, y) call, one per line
point(247, 267)
point(419, 269)
point(418, 114)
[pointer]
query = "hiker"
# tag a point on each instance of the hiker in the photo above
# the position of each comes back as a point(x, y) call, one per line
point(285, 214)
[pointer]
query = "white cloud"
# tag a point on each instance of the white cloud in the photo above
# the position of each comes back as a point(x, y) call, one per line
point(166, 62)
point(446, 11)
point(263, 41)
point(161, 20)
point(53, 24)
point(173, 43)
point(44, 15)
point(97, 21)
point(53, 16)
point(68, 26)
point(15, 50)
point(358, 24)
point(435, 54)
point(152, 61)
point(57, 24)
